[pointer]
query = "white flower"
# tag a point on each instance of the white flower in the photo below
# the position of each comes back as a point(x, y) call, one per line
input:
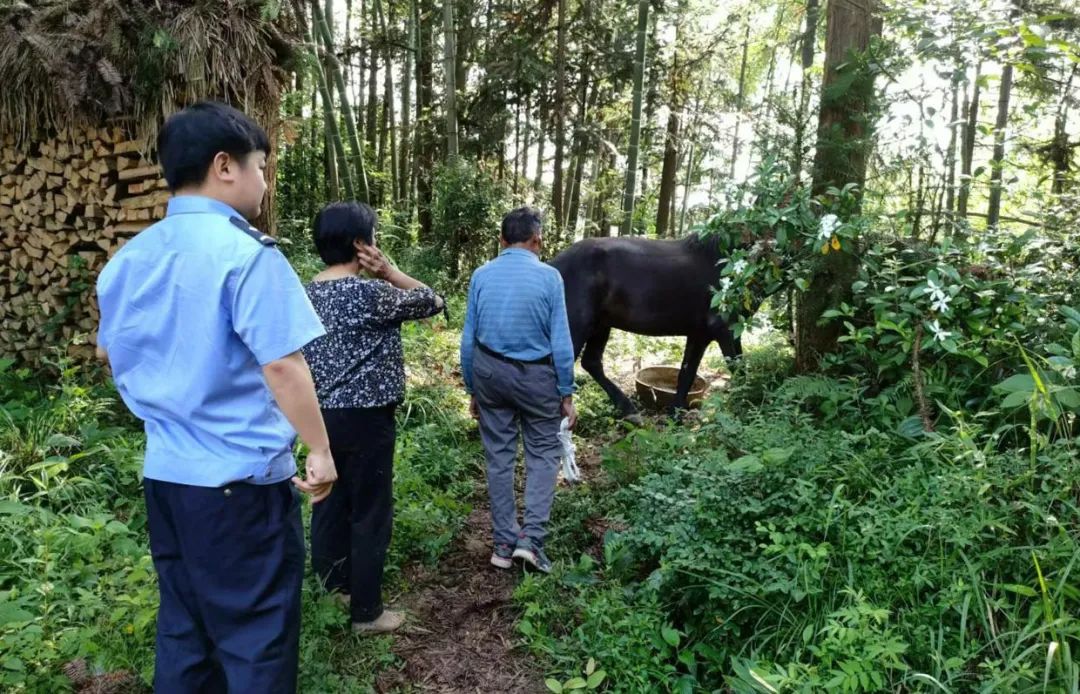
point(939, 334)
point(941, 303)
point(1069, 372)
point(739, 266)
point(936, 291)
point(828, 225)
point(725, 284)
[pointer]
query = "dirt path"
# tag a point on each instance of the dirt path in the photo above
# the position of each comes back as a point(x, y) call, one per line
point(462, 635)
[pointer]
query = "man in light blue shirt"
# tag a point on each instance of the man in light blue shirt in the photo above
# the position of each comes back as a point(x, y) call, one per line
point(518, 364)
point(202, 322)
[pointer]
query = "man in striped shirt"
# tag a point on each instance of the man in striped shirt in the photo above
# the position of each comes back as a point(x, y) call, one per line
point(518, 363)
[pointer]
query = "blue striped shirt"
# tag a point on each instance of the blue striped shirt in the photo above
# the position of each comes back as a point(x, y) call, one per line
point(517, 308)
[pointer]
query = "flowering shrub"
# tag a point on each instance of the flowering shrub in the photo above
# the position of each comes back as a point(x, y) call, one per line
point(945, 323)
point(771, 227)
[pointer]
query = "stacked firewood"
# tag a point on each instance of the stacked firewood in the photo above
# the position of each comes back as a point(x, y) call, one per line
point(67, 203)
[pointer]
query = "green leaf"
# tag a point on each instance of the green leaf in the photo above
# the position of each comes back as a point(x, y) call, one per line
point(1018, 383)
point(671, 635)
point(13, 508)
point(1016, 399)
point(1068, 397)
point(13, 663)
point(62, 441)
point(776, 456)
point(1070, 313)
point(526, 627)
point(596, 678)
point(911, 427)
point(10, 612)
point(575, 683)
point(747, 463)
point(554, 685)
point(590, 666)
point(1076, 345)
point(1026, 591)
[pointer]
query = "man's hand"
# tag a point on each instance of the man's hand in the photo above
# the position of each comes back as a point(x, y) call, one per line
point(321, 475)
point(374, 262)
point(569, 411)
point(474, 408)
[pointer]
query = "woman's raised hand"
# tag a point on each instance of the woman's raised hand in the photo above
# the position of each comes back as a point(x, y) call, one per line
point(374, 262)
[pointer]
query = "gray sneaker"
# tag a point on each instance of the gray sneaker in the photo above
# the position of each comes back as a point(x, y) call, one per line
point(532, 553)
point(503, 556)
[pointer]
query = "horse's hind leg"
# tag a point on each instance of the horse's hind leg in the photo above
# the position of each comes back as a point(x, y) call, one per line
point(695, 350)
point(592, 360)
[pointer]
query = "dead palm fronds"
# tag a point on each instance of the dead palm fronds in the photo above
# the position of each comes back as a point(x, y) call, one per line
point(98, 61)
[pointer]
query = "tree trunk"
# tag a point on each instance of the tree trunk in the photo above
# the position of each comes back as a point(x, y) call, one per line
point(425, 136)
point(967, 148)
point(669, 171)
point(405, 161)
point(358, 169)
point(809, 41)
point(769, 79)
point(388, 138)
point(997, 162)
point(359, 85)
point(371, 122)
point(652, 95)
point(517, 149)
point(526, 132)
point(449, 74)
point(635, 120)
point(920, 200)
point(1060, 152)
point(588, 102)
point(686, 188)
point(330, 150)
point(540, 134)
point(843, 147)
point(557, 212)
point(950, 158)
point(590, 204)
point(739, 101)
point(604, 225)
point(667, 176)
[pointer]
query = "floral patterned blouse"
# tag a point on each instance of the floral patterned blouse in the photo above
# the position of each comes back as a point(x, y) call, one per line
point(360, 362)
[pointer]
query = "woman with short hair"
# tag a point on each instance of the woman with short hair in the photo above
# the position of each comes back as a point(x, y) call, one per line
point(359, 372)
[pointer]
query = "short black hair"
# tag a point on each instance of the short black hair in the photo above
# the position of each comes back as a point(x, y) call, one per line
point(338, 226)
point(520, 225)
point(190, 139)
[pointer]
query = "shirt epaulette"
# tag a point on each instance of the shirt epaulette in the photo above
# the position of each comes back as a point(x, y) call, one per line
point(242, 225)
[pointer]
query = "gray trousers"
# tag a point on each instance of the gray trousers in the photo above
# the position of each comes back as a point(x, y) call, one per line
point(510, 396)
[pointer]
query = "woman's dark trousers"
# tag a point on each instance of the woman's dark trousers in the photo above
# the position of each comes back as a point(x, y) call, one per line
point(350, 529)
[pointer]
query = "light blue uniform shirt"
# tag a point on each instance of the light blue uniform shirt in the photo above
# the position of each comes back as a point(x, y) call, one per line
point(517, 307)
point(191, 309)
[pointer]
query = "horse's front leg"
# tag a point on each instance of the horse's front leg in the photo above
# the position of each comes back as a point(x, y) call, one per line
point(695, 350)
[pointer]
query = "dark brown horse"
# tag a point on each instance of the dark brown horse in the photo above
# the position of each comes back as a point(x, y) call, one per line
point(645, 287)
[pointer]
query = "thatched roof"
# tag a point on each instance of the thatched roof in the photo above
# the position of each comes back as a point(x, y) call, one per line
point(93, 62)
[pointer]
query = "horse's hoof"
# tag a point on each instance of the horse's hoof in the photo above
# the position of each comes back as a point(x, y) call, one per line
point(635, 419)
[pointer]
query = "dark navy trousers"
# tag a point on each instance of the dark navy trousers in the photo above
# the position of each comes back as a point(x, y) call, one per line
point(230, 563)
